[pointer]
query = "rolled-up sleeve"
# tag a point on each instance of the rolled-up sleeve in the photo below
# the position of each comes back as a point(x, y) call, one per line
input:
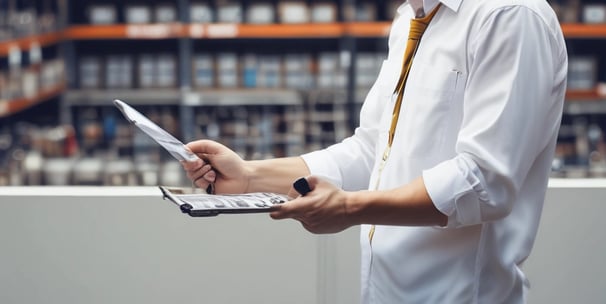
point(511, 113)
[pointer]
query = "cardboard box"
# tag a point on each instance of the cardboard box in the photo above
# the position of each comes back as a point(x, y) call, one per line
point(119, 73)
point(323, 12)
point(249, 70)
point(582, 73)
point(147, 71)
point(270, 68)
point(165, 13)
point(293, 12)
point(297, 70)
point(594, 13)
point(201, 13)
point(227, 70)
point(166, 71)
point(260, 13)
point(367, 68)
point(229, 12)
point(102, 14)
point(90, 73)
point(138, 14)
point(203, 71)
point(365, 12)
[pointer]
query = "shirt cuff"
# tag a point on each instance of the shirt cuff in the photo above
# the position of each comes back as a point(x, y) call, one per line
point(437, 182)
point(450, 188)
point(320, 164)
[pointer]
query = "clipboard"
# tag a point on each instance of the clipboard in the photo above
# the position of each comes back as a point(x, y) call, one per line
point(197, 203)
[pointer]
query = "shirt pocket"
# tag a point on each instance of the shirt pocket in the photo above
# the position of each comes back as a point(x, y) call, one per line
point(385, 85)
point(426, 109)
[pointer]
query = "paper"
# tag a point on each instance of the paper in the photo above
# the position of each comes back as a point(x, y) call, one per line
point(174, 146)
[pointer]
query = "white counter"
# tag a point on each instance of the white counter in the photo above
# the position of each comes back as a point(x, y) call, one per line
point(128, 245)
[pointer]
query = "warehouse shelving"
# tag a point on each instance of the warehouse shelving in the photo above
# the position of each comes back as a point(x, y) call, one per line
point(26, 43)
point(319, 116)
point(12, 53)
point(226, 31)
point(8, 107)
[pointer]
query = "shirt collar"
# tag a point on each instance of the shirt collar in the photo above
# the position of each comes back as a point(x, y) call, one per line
point(428, 5)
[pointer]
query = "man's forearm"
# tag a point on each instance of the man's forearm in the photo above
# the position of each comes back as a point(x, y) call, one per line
point(409, 205)
point(275, 175)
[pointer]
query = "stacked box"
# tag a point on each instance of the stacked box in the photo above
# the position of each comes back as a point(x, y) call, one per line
point(227, 70)
point(138, 14)
point(229, 12)
point(594, 13)
point(297, 69)
point(147, 71)
point(249, 70)
point(119, 73)
point(269, 74)
point(201, 13)
point(166, 71)
point(293, 12)
point(157, 71)
point(165, 13)
point(90, 73)
point(203, 71)
point(582, 73)
point(102, 14)
point(324, 12)
point(331, 72)
point(367, 68)
point(260, 13)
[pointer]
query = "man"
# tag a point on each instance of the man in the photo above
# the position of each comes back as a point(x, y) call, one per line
point(450, 211)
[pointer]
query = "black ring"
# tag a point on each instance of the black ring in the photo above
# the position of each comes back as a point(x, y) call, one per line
point(302, 186)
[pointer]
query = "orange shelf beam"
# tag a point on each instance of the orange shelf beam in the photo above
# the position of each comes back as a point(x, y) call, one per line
point(178, 30)
point(218, 30)
point(16, 105)
point(228, 30)
point(583, 95)
point(368, 29)
point(579, 30)
point(291, 31)
point(27, 42)
point(121, 31)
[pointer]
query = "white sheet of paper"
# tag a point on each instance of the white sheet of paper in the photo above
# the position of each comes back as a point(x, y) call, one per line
point(174, 146)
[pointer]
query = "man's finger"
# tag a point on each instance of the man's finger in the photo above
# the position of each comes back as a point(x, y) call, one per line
point(283, 211)
point(205, 146)
point(201, 183)
point(192, 165)
point(210, 176)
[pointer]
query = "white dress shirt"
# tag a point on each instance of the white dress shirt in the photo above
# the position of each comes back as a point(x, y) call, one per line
point(479, 122)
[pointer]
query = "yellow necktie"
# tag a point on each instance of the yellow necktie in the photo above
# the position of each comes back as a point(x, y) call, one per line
point(417, 28)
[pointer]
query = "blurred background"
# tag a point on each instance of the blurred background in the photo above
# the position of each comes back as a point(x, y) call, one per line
point(267, 78)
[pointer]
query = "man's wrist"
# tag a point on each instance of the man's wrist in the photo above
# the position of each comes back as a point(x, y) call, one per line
point(252, 173)
point(354, 207)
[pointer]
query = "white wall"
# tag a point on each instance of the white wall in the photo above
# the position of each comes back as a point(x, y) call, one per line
point(92, 248)
point(568, 262)
point(127, 245)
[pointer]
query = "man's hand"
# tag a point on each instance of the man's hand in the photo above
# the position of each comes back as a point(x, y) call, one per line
point(323, 210)
point(218, 165)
